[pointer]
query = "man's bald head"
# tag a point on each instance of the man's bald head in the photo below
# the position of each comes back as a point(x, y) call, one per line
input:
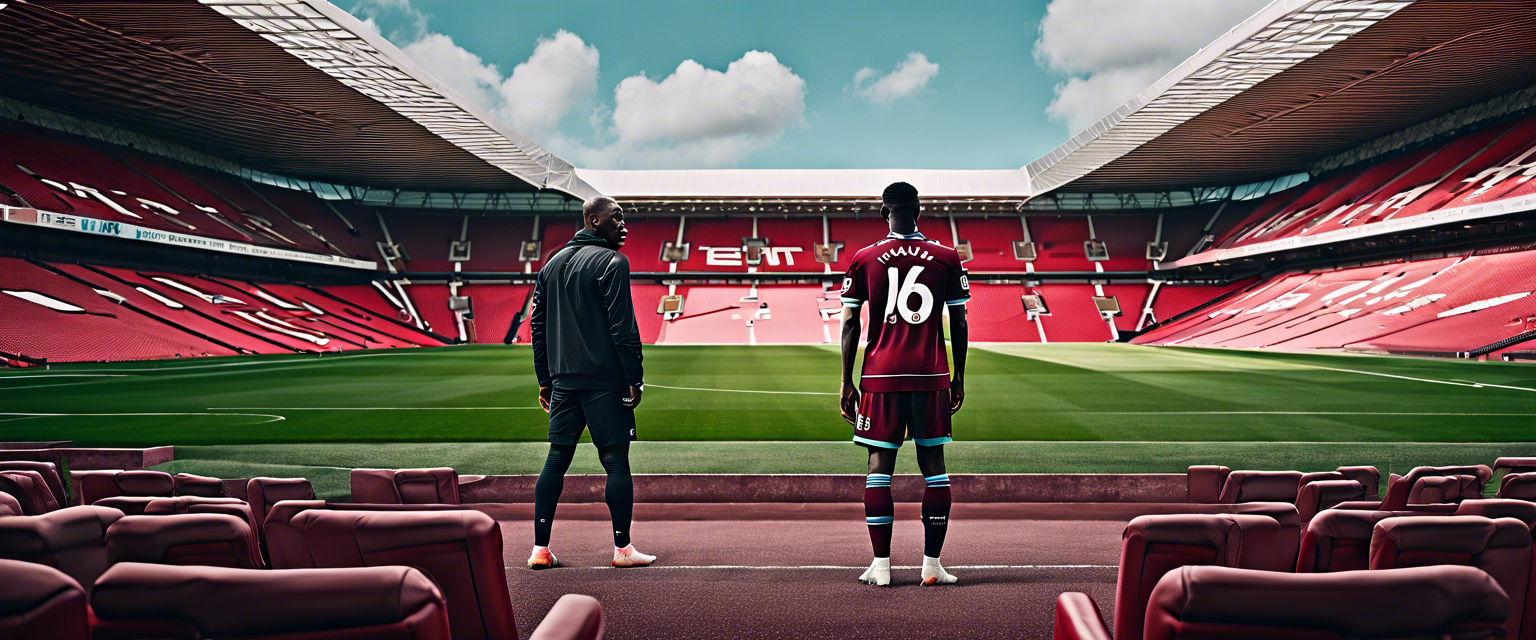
point(603, 216)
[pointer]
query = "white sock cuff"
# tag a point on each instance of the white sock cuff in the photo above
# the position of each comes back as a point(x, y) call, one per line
point(930, 561)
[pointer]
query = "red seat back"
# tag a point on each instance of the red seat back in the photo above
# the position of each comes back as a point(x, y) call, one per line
point(459, 549)
point(41, 603)
point(1340, 540)
point(187, 484)
point(1368, 477)
point(47, 470)
point(72, 540)
point(1260, 486)
point(30, 491)
point(405, 486)
point(262, 493)
point(10, 506)
point(1444, 490)
point(1154, 545)
point(1318, 496)
point(135, 601)
point(1431, 602)
point(201, 539)
point(1500, 508)
point(1518, 486)
point(91, 486)
point(1502, 548)
point(282, 538)
point(1399, 489)
point(1287, 539)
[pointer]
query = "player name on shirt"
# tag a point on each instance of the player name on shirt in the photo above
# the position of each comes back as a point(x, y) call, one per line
point(908, 280)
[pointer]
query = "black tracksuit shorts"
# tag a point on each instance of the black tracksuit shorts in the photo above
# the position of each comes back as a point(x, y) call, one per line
point(601, 411)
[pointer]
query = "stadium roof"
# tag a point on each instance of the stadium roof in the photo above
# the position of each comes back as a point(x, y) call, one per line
point(1298, 81)
point(804, 183)
point(292, 87)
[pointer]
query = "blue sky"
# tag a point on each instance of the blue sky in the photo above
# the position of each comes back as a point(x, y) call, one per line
point(800, 83)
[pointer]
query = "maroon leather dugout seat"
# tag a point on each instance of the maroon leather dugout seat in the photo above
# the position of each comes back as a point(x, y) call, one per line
point(1495, 508)
point(459, 549)
point(262, 493)
point(1288, 539)
point(1518, 486)
point(1444, 489)
point(574, 617)
point(141, 601)
point(187, 484)
point(1501, 548)
point(1319, 496)
point(41, 603)
point(1204, 483)
point(281, 538)
point(47, 470)
point(1154, 545)
point(1340, 540)
point(1399, 488)
point(204, 539)
point(405, 486)
point(9, 506)
point(91, 486)
point(71, 540)
point(30, 491)
point(1318, 476)
point(1260, 486)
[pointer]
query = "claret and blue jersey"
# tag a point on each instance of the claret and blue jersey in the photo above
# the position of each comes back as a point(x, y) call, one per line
point(905, 279)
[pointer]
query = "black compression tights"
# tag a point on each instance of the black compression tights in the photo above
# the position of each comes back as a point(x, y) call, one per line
point(620, 492)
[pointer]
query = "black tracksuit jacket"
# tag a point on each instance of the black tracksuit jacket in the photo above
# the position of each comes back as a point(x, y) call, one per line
point(583, 321)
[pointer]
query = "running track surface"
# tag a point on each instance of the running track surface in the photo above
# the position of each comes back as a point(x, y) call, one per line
point(790, 571)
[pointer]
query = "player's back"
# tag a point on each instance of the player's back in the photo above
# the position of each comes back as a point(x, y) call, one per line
point(906, 281)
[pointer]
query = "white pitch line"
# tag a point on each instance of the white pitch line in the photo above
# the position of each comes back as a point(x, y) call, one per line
point(367, 408)
point(1292, 413)
point(274, 418)
point(66, 375)
point(787, 393)
point(255, 363)
point(974, 567)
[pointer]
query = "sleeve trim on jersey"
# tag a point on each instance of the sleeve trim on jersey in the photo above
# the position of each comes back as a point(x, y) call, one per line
point(960, 301)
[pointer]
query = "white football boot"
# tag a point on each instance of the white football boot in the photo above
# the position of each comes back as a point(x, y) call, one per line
point(542, 558)
point(878, 573)
point(933, 573)
point(629, 557)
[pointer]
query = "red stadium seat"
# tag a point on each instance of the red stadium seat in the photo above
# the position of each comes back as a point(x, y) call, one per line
point(1205, 482)
point(206, 539)
point(1502, 548)
point(1519, 486)
point(1318, 496)
point(1368, 477)
point(1319, 476)
point(140, 601)
point(9, 506)
point(187, 484)
point(262, 493)
point(48, 470)
point(1260, 486)
point(91, 486)
point(574, 617)
point(41, 603)
point(1500, 508)
point(30, 491)
point(282, 538)
point(1444, 489)
point(405, 486)
point(72, 540)
point(1340, 540)
point(460, 549)
point(1399, 488)
point(1155, 545)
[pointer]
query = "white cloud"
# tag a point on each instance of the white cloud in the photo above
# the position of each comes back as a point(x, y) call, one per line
point(1113, 49)
point(693, 117)
point(702, 117)
point(906, 79)
point(559, 76)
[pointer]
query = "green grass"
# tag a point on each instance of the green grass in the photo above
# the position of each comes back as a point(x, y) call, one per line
point(1076, 407)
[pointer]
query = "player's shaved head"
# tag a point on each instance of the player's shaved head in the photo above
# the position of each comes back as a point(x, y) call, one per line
point(603, 216)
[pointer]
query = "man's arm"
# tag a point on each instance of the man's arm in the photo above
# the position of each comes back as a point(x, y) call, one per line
point(540, 346)
point(622, 327)
point(959, 337)
point(849, 392)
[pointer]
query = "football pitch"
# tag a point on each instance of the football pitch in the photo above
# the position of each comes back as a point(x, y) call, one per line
point(1068, 408)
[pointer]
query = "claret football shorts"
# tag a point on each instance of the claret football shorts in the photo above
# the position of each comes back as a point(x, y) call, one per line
point(886, 420)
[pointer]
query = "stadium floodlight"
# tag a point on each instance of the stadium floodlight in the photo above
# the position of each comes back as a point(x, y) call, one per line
point(1024, 250)
point(1157, 251)
point(530, 251)
point(1109, 306)
point(1034, 306)
point(963, 248)
point(1096, 249)
point(458, 251)
point(673, 252)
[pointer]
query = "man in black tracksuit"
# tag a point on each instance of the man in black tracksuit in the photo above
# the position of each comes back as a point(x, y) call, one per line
point(586, 352)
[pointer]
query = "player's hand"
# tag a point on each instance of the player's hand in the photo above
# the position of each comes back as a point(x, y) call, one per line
point(634, 398)
point(956, 395)
point(850, 402)
point(544, 395)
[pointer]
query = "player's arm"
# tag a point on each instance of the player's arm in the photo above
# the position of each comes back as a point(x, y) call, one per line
point(849, 392)
point(540, 347)
point(853, 295)
point(957, 293)
point(622, 327)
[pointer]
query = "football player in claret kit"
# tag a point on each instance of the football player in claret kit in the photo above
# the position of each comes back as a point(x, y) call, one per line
point(907, 281)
